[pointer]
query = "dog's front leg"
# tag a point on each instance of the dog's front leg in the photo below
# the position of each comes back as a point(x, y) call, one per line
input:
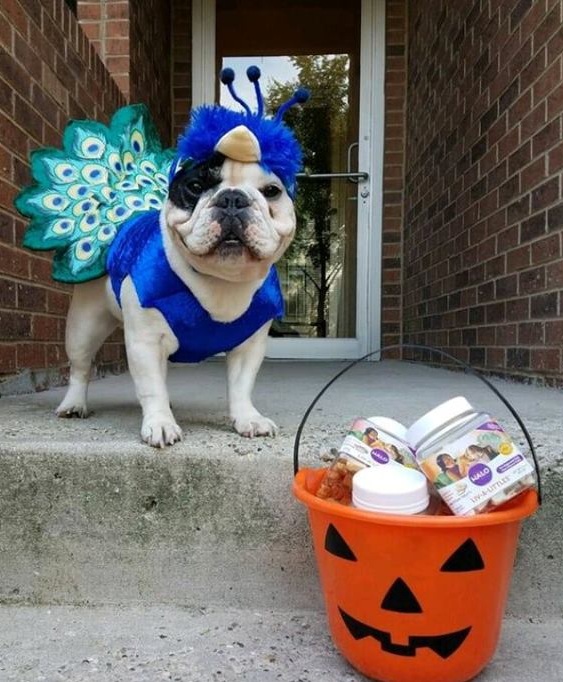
point(149, 341)
point(243, 364)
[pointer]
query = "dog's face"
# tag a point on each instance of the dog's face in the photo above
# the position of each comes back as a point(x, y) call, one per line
point(229, 219)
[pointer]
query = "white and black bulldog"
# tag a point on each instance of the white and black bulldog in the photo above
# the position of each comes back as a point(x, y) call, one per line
point(205, 260)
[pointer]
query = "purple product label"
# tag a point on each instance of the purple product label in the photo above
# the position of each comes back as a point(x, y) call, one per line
point(490, 426)
point(512, 462)
point(379, 456)
point(480, 474)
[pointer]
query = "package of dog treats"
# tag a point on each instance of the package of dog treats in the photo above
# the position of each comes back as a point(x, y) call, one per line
point(376, 441)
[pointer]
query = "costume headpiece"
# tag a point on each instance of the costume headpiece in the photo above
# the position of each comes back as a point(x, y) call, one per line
point(244, 136)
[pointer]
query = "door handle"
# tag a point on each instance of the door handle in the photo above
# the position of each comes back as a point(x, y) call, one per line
point(353, 177)
point(350, 175)
point(349, 160)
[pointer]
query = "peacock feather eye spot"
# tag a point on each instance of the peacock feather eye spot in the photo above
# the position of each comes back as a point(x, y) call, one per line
point(137, 141)
point(148, 167)
point(77, 191)
point(134, 202)
point(117, 214)
point(106, 233)
point(54, 202)
point(62, 227)
point(84, 249)
point(92, 148)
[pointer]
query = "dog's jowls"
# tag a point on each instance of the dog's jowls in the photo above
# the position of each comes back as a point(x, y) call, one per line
point(224, 224)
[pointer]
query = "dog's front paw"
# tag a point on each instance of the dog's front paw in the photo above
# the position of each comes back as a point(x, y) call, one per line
point(159, 430)
point(72, 406)
point(254, 425)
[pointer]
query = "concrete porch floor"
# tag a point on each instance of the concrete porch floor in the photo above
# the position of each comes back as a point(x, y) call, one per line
point(102, 538)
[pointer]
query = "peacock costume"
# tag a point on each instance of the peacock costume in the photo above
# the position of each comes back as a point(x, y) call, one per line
point(96, 202)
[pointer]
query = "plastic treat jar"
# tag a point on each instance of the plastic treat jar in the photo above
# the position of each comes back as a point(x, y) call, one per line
point(413, 598)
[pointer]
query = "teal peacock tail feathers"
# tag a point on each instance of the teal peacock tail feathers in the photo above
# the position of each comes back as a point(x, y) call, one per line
point(85, 191)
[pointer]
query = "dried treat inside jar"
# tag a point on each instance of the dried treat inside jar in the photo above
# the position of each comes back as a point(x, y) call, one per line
point(337, 482)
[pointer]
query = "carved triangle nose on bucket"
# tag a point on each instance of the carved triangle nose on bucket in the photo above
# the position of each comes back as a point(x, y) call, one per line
point(400, 598)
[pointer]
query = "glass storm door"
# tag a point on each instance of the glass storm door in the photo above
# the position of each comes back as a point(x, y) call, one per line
point(330, 273)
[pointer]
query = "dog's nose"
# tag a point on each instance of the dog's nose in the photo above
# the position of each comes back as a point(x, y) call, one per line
point(232, 199)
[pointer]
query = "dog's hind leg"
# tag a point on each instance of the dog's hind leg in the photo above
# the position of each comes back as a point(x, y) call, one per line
point(89, 323)
point(243, 363)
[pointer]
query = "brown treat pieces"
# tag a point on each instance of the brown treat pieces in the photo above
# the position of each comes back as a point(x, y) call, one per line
point(336, 484)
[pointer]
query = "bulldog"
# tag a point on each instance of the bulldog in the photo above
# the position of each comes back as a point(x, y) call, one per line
point(226, 221)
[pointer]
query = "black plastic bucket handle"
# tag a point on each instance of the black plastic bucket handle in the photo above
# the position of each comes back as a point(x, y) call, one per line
point(414, 346)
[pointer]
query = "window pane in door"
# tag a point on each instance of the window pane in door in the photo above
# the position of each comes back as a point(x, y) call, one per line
point(315, 44)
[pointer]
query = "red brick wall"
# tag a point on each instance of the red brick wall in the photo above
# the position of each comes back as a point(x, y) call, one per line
point(483, 271)
point(106, 23)
point(133, 40)
point(393, 171)
point(151, 61)
point(48, 74)
point(181, 64)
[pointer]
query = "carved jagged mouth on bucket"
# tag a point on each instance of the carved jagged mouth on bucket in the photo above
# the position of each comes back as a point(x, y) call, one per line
point(443, 645)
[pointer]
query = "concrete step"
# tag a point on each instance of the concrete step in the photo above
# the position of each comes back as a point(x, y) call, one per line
point(147, 644)
point(92, 516)
point(119, 562)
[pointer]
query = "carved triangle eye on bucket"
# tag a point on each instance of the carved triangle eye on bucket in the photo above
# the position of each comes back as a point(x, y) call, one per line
point(337, 545)
point(466, 558)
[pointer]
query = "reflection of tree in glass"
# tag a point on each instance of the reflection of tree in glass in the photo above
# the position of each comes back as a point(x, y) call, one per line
point(321, 122)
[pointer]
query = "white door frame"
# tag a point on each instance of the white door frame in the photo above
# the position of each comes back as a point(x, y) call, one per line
point(370, 193)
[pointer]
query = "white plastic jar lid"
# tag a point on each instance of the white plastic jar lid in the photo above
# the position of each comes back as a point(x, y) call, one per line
point(391, 426)
point(390, 489)
point(437, 419)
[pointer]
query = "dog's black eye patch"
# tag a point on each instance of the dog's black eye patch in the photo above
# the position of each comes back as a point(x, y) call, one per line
point(192, 181)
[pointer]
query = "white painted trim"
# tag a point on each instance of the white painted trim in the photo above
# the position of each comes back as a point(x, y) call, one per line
point(370, 209)
point(203, 52)
point(372, 132)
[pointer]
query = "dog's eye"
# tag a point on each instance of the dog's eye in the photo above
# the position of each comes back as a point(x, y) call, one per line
point(271, 191)
point(195, 187)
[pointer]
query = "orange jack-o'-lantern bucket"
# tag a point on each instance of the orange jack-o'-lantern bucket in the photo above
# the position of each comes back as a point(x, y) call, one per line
point(413, 598)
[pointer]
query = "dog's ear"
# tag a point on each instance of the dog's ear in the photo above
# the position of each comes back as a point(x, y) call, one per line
point(191, 182)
